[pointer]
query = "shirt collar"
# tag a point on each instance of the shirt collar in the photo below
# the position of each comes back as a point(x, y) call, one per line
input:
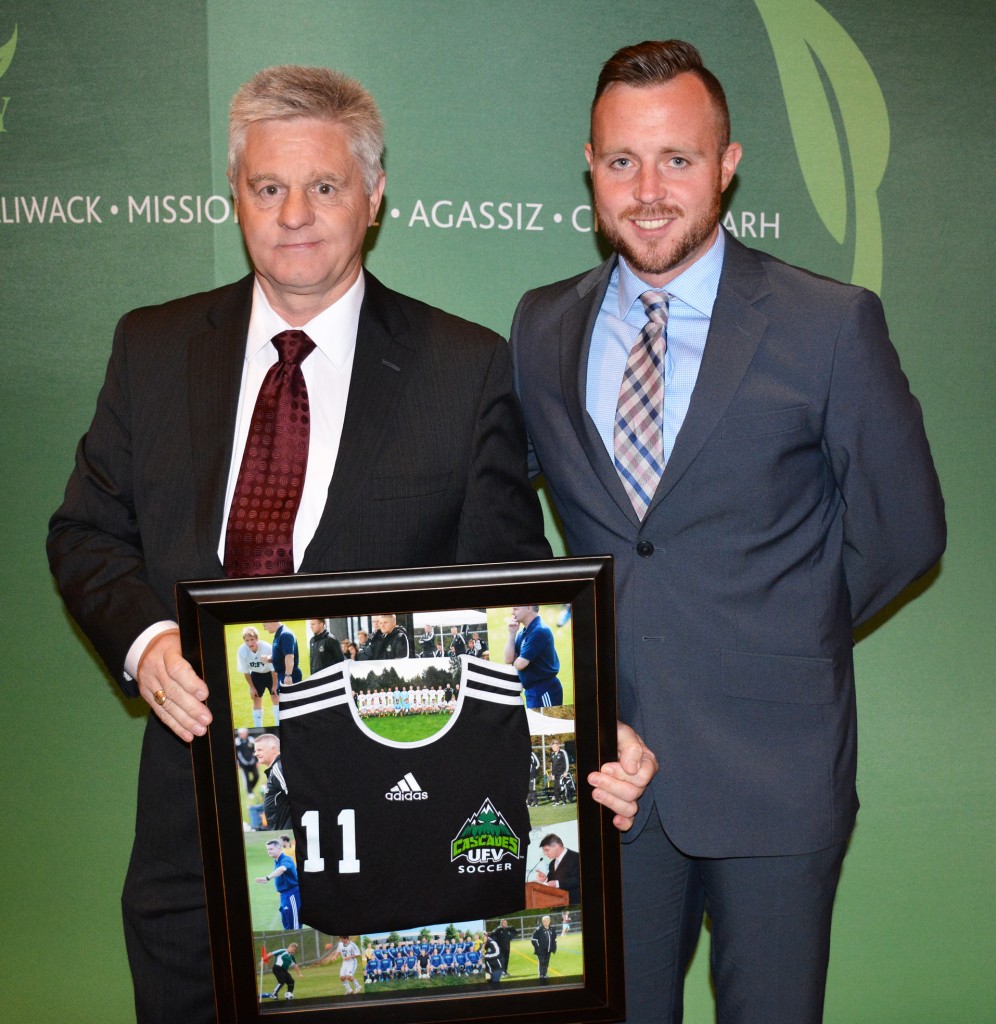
point(333, 331)
point(696, 286)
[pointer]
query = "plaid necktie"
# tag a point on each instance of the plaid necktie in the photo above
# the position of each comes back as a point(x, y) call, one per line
point(260, 534)
point(637, 440)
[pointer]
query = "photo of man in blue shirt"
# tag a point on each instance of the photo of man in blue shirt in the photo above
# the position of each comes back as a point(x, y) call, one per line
point(531, 650)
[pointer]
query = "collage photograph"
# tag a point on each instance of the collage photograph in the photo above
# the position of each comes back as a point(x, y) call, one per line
point(408, 794)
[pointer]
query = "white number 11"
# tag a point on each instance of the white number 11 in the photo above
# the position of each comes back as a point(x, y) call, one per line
point(349, 865)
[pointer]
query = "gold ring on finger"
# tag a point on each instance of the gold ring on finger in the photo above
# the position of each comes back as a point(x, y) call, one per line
point(160, 697)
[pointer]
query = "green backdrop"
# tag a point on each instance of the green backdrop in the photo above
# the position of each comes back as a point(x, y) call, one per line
point(866, 129)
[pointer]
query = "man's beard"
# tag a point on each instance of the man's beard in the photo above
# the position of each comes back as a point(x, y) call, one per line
point(660, 257)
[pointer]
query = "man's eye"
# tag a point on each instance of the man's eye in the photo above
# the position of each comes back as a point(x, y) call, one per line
point(269, 191)
point(325, 189)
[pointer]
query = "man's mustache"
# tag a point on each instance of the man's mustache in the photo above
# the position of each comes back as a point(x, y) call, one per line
point(657, 211)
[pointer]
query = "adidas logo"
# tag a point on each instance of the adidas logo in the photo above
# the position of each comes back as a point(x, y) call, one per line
point(406, 789)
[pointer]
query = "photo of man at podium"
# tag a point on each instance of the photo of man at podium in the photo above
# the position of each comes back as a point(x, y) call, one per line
point(560, 884)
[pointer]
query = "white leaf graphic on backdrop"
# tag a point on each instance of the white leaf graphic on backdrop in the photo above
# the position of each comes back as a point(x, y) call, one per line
point(7, 52)
point(805, 40)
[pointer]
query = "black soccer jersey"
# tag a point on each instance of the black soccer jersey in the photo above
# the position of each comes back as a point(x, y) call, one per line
point(396, 835)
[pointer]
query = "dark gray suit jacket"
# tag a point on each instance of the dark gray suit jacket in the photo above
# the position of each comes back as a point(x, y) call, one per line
point(145, 504)
point(799, 499)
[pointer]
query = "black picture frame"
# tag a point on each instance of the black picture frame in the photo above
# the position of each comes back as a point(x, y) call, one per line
point(584, 589)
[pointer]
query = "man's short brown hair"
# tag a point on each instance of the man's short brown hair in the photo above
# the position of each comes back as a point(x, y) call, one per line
point(657, 62)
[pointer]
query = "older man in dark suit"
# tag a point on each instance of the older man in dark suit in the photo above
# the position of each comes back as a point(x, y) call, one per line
point(159, 480)
point(738, 433)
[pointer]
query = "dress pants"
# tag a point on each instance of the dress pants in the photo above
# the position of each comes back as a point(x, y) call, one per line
point(165, 918)
point(166, 935)
point(770, 930)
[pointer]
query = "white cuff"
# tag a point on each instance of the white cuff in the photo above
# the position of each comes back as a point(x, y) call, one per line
point(134, 656)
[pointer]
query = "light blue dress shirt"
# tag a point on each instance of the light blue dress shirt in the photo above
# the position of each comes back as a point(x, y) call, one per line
point(618, 324)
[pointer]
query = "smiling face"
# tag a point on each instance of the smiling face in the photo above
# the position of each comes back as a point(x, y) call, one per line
point(304, 213)
point(266, 751)
point(658, 172)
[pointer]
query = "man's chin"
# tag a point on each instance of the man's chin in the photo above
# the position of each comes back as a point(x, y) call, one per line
point(650, 261)
point(659, 259)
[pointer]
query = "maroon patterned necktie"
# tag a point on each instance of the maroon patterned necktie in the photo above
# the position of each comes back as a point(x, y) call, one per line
point(637, 437)
point(260, 535)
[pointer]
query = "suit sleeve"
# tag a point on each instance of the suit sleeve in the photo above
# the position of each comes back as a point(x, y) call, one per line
point(501, 518)
point(94, 547)
point(532, 462)
point(894, 526)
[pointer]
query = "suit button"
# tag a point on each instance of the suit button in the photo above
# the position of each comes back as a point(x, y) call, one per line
point(644, 549)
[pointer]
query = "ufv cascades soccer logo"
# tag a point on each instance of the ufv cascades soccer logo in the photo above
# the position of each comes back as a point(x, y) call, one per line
point(486, 842)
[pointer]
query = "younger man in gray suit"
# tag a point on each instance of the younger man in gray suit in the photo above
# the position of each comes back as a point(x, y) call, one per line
point(738, 433)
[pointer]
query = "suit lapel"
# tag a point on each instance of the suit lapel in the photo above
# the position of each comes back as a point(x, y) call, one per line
point(735, 331)
point(215, 363)
point(579, 322)
point(381, 365)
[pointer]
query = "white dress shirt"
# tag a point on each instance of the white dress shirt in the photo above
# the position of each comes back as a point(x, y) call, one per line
point(326, 373)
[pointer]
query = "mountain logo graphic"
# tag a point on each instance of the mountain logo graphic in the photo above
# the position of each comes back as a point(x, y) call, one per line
point(486, 837)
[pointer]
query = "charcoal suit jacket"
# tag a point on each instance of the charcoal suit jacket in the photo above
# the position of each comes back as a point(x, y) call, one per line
point(799, 499)
point(144, 506)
